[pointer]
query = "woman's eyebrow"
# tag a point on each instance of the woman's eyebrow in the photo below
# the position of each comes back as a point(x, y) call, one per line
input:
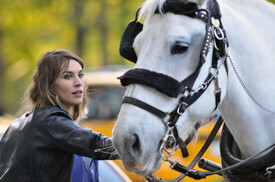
point(71, 72)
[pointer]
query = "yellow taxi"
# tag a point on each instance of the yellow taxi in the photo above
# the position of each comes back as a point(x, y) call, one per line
point(106, 95)
point(4, 124)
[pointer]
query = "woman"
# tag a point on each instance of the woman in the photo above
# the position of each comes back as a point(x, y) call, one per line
point(39, 146)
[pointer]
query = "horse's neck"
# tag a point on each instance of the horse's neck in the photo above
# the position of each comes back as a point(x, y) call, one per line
point(250, 29)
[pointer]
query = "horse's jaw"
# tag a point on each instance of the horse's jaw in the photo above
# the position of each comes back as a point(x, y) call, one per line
point(137, 146)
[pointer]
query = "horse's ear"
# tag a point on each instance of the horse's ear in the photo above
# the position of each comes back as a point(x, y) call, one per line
point(126, 45)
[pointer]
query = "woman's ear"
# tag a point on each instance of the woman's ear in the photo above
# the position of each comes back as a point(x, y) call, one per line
point(52, 89)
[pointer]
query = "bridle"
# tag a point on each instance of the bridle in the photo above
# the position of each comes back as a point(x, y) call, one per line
point(215, 34)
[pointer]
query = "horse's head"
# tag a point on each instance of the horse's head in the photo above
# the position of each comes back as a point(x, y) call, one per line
point(174, 51)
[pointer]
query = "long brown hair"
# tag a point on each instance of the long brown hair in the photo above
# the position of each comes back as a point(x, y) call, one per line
point(40, 92)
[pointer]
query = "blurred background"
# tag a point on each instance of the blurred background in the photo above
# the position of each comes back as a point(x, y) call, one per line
point(90, 28)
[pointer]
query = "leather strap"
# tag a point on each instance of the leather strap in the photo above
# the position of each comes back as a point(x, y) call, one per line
point(162, 115)
point(188, 170)
point(145, 106)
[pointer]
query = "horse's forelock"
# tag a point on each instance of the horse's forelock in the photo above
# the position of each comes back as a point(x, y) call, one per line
point(148, 9)
point(150, 6)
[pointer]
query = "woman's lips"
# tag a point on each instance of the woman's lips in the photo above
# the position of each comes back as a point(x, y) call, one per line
point(78, 93)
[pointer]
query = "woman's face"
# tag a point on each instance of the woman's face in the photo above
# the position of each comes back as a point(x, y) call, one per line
point(69, 85)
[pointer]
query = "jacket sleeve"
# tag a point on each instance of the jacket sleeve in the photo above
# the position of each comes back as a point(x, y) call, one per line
point(65, 134)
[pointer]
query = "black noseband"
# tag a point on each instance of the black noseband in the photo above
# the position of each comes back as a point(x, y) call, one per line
point(162, 83)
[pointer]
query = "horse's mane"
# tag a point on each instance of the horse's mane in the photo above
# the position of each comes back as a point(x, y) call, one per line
point(149, 7)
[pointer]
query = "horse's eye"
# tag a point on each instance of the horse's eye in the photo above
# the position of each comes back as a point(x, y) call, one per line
point(179, 48)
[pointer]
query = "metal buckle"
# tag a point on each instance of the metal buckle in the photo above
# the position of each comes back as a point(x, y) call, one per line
point(165, 119)
point(179, 107)
point(269, 170)
point(215, 22)
point(217, 91)
point(169, 144)
point(219, 37)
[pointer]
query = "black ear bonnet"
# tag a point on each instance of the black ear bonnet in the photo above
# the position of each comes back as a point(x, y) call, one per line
point(179, 7)
point(126, 45)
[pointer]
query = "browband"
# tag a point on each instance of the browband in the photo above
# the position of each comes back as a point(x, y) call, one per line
point(179, 7)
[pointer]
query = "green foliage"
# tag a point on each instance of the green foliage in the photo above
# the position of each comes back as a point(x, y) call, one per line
point(30, 27)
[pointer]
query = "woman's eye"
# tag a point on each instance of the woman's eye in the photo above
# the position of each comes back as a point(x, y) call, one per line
point(81, 75)
point(179, 48)
point(67, 77)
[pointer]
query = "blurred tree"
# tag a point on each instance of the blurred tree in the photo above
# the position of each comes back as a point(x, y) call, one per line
point(101, 23)
point(81, 28)
point(91, 29)
point(2, 74)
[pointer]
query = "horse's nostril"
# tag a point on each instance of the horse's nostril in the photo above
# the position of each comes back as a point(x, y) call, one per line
point(135, 147)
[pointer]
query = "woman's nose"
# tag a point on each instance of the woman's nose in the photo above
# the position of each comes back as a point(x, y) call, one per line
point(78, 82)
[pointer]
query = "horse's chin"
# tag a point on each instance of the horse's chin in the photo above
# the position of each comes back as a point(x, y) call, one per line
point(146, 169)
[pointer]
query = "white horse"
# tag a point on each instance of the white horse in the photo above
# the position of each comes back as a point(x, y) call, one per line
point(247, 85)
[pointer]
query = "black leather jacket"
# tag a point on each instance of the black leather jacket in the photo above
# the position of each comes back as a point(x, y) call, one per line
point(40, 147)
